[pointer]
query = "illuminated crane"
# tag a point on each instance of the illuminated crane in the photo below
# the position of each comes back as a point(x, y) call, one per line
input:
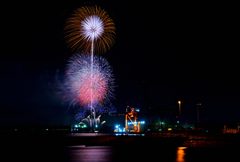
point(131, 119)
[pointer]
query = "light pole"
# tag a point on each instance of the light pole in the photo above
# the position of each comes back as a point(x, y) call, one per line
point(198, 104)
point(179, 104)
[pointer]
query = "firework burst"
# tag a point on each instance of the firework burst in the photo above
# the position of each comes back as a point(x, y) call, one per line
point(90, 27)
point(84, 89)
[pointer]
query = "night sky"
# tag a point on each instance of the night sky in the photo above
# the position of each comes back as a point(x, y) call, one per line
point(186, 52)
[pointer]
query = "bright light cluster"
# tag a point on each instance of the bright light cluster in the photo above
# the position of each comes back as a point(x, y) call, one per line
point(92, 28)
point(141, 122)
point(118, 129)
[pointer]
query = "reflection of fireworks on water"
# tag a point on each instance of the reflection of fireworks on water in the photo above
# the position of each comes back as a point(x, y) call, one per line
point(78, 81)
point(89, 25)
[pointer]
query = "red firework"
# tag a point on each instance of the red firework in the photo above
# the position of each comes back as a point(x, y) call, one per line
point(99, 88)
point(78, 80)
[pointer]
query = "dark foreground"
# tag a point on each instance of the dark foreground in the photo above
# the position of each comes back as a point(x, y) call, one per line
point(92, 147)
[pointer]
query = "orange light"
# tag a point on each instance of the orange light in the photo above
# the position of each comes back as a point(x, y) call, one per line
point(179, 102)
point(181, 154)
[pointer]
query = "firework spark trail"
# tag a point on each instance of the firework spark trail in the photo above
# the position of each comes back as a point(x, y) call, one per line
point(90, 28)
point(92, 76)
point(78, 78)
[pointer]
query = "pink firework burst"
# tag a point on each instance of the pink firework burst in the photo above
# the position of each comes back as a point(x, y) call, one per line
point(78, 80)
point(99, 87)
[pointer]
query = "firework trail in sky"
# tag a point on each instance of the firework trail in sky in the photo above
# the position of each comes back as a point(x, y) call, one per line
point(90, 27)
point(78, 79)
point(100, 109)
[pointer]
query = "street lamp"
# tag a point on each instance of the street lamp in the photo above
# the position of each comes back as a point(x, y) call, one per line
point(179, 103)
point(198, 104)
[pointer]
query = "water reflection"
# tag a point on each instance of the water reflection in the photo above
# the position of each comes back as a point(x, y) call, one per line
point(109, 153)
point(90, 153)
point(180, 154)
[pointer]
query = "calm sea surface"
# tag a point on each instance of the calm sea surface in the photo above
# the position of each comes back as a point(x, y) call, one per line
point(35, 150)
point(107, 154)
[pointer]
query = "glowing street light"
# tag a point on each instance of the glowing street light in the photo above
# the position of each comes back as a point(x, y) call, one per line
point(179, 103)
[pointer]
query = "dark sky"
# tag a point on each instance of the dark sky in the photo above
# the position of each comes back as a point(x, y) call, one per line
point(183, 52)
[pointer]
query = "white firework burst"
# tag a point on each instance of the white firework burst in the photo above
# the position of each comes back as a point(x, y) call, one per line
point(92, 28)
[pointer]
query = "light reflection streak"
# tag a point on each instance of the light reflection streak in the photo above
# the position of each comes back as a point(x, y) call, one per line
point(180, 154)
point(92, 153)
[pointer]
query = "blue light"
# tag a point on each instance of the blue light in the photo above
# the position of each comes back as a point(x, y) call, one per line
point(132, 123)
point(116, 126)
point(96, 126)
point(141, 122)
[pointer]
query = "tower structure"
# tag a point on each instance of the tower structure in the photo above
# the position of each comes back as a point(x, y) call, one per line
point(131, 124)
